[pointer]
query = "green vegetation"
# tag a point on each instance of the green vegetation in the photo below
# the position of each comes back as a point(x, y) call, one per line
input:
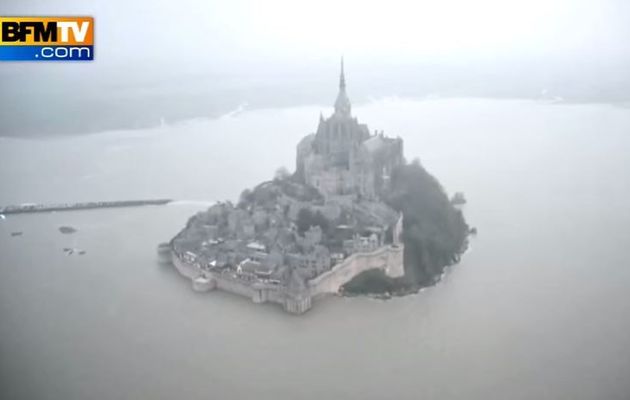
point(306, 219)
point(434, 233)
point(267, 193)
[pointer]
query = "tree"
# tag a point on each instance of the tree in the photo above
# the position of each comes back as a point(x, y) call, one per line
point(246, 198)
point(434, 232)
point(281, 174)
point(306, 218)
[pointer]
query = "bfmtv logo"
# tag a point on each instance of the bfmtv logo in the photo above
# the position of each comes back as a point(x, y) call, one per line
point(46, 38)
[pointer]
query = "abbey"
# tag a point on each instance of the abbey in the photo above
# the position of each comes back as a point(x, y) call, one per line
point(298, 237)
point(343, 158)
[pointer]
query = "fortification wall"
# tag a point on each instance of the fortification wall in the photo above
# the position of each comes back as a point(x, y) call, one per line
point(256, 293)
point(234, 286)
point(387, 258)
point(395, 262)
point(187, 270)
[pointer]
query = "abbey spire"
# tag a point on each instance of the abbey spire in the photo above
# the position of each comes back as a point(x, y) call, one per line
point(342, 77)
point(342, 104)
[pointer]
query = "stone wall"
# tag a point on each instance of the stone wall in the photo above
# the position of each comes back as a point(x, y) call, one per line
point(258, 293)
point(386, 258)
point(185, 269)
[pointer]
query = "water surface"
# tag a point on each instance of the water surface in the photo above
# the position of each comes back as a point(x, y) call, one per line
point(539, 308)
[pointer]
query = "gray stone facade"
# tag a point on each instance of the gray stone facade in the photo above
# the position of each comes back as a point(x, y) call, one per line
point(342, 157)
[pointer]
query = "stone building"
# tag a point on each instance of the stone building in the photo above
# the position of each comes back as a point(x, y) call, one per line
point(312, 263)
point(342, 157)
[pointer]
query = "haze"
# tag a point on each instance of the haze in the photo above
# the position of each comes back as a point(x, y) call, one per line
point(520, 105)
point(164, 60)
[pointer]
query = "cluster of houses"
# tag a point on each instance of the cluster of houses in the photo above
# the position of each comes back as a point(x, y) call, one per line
point(262, 244)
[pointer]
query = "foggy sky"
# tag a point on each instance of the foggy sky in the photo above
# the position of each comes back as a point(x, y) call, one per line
point(173, 60)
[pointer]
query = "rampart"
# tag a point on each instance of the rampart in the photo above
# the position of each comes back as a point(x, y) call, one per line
point(387, 258)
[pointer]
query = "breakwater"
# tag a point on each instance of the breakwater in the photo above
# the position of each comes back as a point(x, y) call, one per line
point(34, 208)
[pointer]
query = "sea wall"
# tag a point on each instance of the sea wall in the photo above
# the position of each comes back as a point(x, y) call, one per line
point(220, 281)
point(386, 258)
point(185, 269)
point(203, 281)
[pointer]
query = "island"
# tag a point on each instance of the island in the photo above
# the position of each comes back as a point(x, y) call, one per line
point(353, 218)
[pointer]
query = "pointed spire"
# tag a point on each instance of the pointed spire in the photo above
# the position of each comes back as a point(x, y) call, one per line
point(342, 77)
point(342, 104)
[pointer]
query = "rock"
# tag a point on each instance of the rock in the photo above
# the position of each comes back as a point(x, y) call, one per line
point(458, 199)
point(67, 230)
point(16, 233)
point(70, 251)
